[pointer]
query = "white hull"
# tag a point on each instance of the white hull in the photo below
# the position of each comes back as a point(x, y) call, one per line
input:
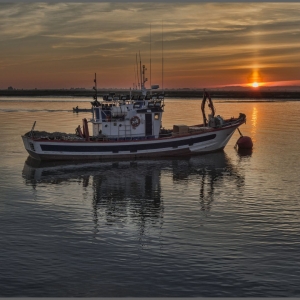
point(189, 144)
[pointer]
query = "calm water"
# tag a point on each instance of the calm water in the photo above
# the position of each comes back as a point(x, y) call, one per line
point(224, 224)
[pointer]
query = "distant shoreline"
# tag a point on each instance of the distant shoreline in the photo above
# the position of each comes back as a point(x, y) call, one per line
point(224, 94)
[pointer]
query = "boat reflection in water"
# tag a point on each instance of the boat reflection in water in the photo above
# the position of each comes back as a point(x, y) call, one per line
point(135, 189)
point(212, 172)
point(244, 152)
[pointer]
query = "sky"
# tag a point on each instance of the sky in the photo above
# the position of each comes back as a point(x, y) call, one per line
point(191, 45)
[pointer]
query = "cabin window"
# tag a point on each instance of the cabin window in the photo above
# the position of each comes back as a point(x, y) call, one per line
point(156, 116)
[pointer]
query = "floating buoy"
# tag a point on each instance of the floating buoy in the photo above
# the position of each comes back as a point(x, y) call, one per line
point(244, 142)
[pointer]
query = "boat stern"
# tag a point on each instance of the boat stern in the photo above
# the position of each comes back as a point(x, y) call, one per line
point(30, 146)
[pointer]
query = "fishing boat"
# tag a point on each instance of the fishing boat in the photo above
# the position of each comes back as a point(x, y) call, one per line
point(130, 126)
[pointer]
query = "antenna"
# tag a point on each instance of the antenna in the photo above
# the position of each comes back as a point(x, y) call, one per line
point(134, 84)
point(95, 87)
point(142, 84)
point(162, 56)
point(137, 70)
point(150, 54)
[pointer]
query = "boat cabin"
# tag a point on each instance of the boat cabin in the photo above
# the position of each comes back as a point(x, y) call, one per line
point(126, 117)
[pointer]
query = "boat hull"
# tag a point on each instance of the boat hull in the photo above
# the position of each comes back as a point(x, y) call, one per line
point(190, 144)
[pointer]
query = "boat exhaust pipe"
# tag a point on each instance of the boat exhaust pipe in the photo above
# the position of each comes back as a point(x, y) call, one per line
point(31, 131)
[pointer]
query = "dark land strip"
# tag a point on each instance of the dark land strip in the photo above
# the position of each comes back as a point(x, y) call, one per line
point(245, 94)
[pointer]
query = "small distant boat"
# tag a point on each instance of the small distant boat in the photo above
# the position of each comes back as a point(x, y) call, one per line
point(129, 126)
point(77, 109)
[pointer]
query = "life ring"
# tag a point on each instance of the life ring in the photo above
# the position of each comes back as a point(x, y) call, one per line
point(135, 121)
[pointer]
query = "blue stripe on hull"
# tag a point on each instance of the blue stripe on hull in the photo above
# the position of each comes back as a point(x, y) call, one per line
point(134, 147)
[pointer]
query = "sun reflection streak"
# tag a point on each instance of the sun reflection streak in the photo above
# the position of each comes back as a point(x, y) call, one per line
point(254, 122)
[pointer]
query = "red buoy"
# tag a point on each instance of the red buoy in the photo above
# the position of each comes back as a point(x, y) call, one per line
point(244, 142)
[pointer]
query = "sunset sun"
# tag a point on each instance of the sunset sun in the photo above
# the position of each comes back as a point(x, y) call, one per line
point(255, 84)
